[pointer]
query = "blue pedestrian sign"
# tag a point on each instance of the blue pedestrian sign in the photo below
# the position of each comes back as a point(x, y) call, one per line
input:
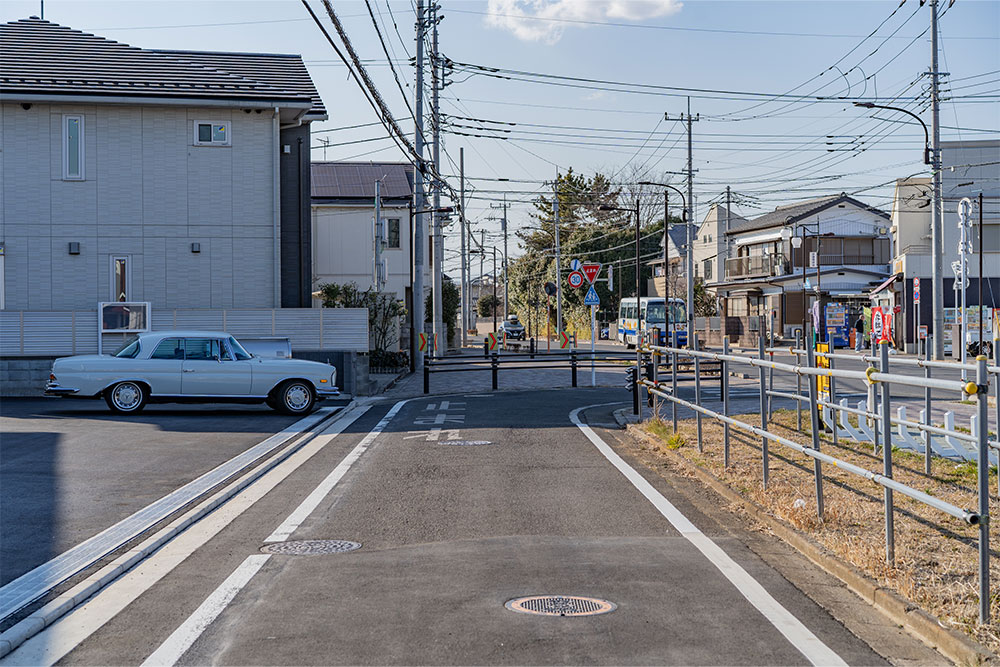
point(592, 299)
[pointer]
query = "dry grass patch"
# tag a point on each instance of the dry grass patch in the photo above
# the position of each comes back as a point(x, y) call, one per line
point(936, 556)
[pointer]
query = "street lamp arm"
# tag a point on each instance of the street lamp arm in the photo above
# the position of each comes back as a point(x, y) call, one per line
point(675, 189)
point(927, 138)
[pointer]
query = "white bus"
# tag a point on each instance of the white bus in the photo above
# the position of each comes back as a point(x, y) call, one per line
point(648, 313)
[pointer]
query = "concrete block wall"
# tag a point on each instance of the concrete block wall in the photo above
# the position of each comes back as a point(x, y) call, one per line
point(24, 376)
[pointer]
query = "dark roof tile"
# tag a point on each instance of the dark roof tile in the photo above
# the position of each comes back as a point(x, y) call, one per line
point(41, 57)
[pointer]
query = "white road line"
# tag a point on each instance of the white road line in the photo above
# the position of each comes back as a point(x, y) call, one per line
point(37, 582)
point(55, 642)
point(183, 637)
point(783, 620)
point(313, 500)
point(187, 634)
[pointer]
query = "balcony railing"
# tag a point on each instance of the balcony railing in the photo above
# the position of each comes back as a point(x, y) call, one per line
point(757, 265)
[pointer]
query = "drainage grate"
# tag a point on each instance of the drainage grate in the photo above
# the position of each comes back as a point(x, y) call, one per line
point(310, 547)
point(560, 605)
point(465, 443)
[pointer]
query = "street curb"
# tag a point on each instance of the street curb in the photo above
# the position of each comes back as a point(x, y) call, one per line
point(50, 612)
point(953, 644)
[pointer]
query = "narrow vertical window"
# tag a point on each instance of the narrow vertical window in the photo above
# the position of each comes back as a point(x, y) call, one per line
point(73, 148)
point(393, 234)
point(119, 279)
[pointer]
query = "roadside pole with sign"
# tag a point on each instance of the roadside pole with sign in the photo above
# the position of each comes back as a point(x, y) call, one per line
point(916, 315)
point(592, 300)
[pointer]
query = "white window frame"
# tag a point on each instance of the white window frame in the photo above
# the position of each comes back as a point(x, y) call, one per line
point(128, 277)
point(213, 123)
point(66, 176)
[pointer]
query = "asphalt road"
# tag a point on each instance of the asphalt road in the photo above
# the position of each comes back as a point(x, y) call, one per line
point(450, 531)
point(69, 469)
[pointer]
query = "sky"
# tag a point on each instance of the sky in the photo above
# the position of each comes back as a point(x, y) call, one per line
point(753, 70)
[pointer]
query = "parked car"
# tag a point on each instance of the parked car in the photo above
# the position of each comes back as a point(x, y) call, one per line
point(513, 328)
point(189, 367)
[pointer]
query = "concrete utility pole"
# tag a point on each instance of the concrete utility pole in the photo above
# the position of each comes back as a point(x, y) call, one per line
point(506, 278)
point(419, 236)
point(440, 332)
point(555, 211)
point(503, 227)
point(937, 206)
point(689, 261)
point(482, 257)
point(464, 292)
point(377, 234)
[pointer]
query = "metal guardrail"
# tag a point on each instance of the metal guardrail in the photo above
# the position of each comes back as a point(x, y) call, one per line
point(573, 360)
point(879, 379)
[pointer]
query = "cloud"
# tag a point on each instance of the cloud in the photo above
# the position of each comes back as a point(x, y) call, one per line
point(545, 20)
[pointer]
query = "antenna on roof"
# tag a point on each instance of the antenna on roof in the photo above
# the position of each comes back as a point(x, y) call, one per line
point(43, 9)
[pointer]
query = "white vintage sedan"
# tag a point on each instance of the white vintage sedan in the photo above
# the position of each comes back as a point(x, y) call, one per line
point(192, 366)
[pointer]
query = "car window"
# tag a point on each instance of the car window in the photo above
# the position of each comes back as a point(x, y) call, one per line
point(239, 350)
point(169, 348)
point(202, 348)
point(130, 351)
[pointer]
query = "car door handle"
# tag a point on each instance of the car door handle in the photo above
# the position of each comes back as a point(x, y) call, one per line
point(189, 370)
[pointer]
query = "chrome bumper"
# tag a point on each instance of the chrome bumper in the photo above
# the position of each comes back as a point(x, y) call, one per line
point(326, 393)
point(55, 389)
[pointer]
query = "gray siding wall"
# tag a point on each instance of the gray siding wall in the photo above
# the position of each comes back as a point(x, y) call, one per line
point(149, 193)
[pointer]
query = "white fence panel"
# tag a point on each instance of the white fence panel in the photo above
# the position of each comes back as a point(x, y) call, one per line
point(345, 329)
point(63, 333)
point(250, 323)
point(10, 333)
point(198, 320)
point(47, 333)
point(300, 325)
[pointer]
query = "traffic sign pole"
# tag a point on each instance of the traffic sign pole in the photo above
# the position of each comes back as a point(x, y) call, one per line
point(593, 328)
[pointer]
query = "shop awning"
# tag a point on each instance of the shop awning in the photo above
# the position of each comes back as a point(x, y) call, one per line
point(890, 280)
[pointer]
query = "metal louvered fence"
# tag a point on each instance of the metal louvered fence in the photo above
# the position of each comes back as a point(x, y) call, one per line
point(61, 333)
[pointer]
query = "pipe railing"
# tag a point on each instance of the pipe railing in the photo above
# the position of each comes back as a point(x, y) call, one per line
point(876, 378)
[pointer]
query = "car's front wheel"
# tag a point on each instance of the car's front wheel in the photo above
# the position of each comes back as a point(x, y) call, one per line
point(295, 397)
point(126, 398)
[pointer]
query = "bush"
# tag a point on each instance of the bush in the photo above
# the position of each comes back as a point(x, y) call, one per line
point(487, 305)
point(384, 309)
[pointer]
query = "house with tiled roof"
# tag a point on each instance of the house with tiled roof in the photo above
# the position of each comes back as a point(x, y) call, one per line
point(343, 214)
point(831, 251)
point(178, 178)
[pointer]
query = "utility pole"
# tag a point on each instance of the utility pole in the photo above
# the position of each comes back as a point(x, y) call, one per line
point(378, 234)
point(482, 257)
point(506, 277)
point(419, 236)
point(689, 258)
point(555, 211)
point(503, 227)
point(937, 210)
point(464, 292)
point(438, 317)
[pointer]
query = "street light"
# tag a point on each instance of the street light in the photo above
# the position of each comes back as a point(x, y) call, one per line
point(666, 265)
point(932, 158)
point(927, 139)
point(796, 241)
point(416, 361)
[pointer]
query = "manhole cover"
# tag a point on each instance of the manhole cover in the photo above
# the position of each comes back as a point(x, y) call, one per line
point(465, 443)
point(560, 605)
point(310, 547)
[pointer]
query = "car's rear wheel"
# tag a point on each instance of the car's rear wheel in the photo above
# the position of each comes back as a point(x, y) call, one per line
point(295, 397)
point(126, 398)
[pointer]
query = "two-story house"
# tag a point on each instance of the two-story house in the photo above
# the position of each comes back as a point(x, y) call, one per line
point(177, 181)
point(833, 249)
point(343, 213)
point(970, 168)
